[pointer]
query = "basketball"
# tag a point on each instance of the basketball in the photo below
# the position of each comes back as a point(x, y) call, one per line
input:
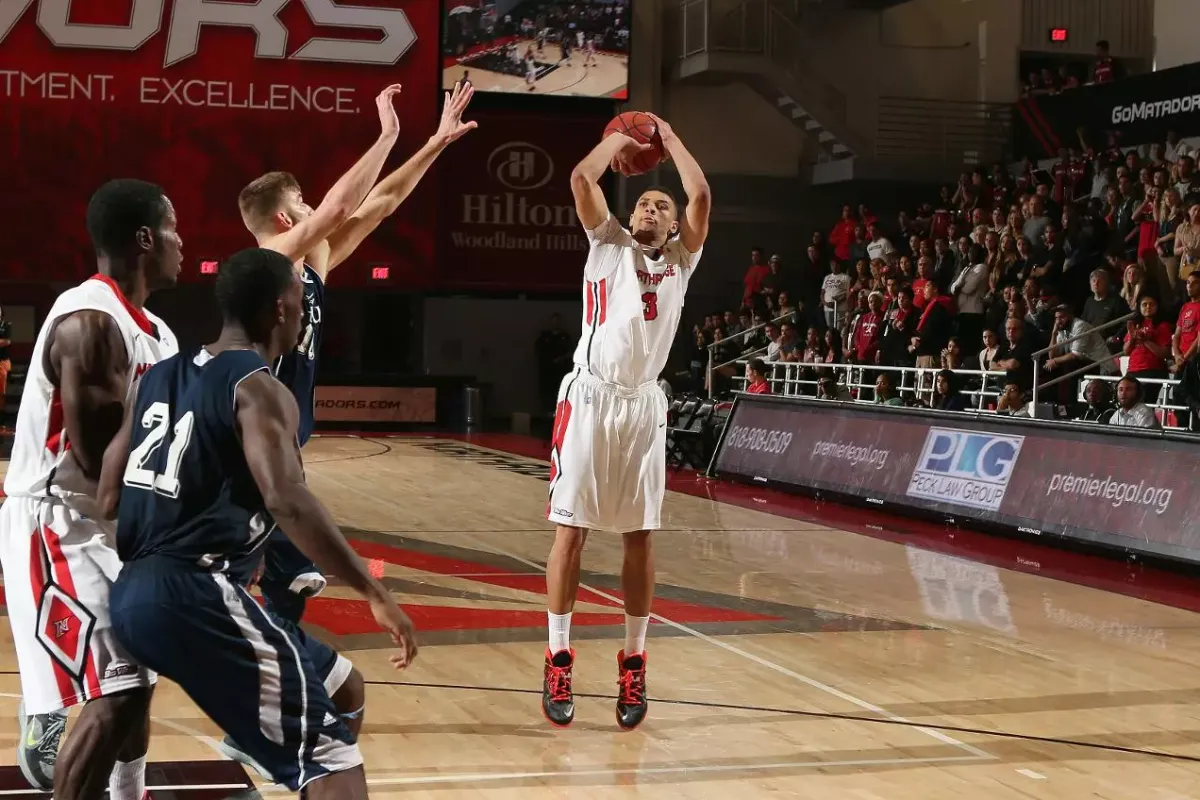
point(642, 128)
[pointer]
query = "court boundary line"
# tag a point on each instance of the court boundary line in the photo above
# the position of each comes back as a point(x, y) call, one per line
point(782, 670)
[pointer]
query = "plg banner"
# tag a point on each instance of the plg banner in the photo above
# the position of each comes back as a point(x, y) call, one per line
point(1119, 489)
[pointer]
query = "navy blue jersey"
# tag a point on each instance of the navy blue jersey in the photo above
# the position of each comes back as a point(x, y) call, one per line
point(188, 493)
point(298, 369)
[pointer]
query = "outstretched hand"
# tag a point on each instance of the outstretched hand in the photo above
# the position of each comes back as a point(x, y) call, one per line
point(451, 128)
point(389, 123)
point(398, 626)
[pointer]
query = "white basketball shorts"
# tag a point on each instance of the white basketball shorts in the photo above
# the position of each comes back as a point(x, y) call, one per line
point(608, 461)
point(58, 569)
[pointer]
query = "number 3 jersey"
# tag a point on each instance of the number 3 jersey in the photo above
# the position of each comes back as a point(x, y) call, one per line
point(632, 302)
point(41, 464)
point(188, 493)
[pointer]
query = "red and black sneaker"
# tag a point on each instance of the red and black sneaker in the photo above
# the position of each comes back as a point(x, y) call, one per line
point(631, 690)
point(558, 703)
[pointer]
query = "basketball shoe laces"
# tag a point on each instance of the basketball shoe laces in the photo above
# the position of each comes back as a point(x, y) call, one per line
point(560, 684)
point(633, 687)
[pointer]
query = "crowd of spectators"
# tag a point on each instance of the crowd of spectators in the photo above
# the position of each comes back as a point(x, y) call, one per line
point(1001, 266)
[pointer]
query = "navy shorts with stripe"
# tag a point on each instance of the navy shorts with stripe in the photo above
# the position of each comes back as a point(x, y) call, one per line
point(244, 668)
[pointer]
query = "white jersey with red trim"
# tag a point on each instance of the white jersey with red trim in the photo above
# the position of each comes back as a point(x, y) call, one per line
point(632, 301)
point(40, 465)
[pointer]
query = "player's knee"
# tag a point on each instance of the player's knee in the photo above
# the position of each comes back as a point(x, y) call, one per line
point(570, 539)
point(350, 700)
point(637, 542)
point(120, 714)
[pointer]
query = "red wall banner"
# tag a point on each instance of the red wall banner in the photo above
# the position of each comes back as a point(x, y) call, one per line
point(203, 96)
point(508, 219)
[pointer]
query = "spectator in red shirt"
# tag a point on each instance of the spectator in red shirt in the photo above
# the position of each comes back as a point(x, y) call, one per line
point(1148, 343)
point(1104, 70)
point(1183, 344)
point(756, 372)
point(843, 234)
point(755, 275)
point(868, 330)
point(924, 276)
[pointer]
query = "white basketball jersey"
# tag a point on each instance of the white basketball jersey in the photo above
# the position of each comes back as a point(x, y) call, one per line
point(632, 302)
point(40, 464)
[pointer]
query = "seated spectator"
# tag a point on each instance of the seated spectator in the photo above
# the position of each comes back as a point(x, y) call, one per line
point(1183, 343)
point(756, 373)
point(1012, 401)
point(834, 290)
point(1098, 406)
point(868, 331)
point(1131, 411)
point(789, 343)
point(732, 323)
point(990, 351)
point(885, 393)
point(828, 388)
point(814, 350)
point(1148, 344)
point(952, 356)
point(788, 310)
point(1017, 358)
point(946, 394)
point(1071, 355)
point(934, 327)
point(1041, 313)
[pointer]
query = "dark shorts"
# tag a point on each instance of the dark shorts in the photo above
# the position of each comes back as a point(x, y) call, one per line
point(251, 673)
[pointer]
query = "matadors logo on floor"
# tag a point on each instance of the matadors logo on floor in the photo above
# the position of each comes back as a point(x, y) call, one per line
point(966, 468)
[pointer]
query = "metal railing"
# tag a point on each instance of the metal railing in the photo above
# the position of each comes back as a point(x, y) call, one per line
point(1037, 359)
point(801, 379)
point(957, 133)
point(712, 367)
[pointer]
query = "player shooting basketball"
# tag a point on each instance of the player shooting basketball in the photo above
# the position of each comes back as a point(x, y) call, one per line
point(608, 457)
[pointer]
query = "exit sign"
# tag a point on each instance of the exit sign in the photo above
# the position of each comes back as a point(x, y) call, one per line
point(208, 267)
point(380, 272)
point(1058, 34)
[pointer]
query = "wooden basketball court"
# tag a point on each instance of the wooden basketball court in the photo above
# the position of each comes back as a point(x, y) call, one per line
point(608, 75)
point(790, 657)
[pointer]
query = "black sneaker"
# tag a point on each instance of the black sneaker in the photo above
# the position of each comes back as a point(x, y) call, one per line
point(631, 690)
point(558, 703)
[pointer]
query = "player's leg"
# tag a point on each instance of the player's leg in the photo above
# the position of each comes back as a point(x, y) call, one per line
point(343, 683)
point(289, 578)
point(107, 749)
point(245, 670)
point(578, 444)
point(643, 483)
point(108, 743)
point(41, 716)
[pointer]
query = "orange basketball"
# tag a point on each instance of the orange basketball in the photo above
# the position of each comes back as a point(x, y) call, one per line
point(642, 128)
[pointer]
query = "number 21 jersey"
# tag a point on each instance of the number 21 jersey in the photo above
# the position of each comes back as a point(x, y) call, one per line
point(632, 302)
point(188, 494)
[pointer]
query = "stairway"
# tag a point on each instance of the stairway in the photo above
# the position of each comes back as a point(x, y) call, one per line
point(758, 43)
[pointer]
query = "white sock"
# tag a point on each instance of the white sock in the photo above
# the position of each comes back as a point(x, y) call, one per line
point(635, 635)
point(560, 631)
point(128, 780)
